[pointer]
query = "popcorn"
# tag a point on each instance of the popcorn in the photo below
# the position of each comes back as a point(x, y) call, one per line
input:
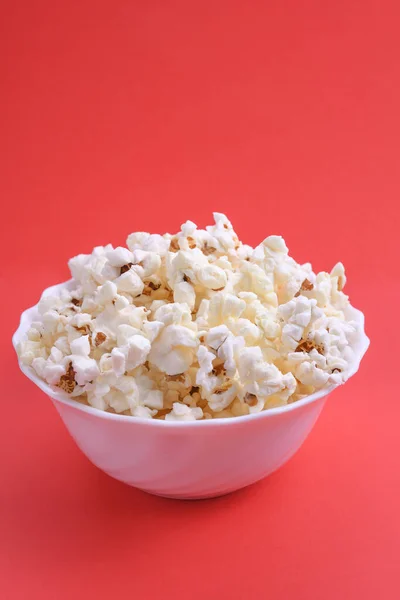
point(118, 362)
point(86, 369)
point(143, 412)
point(106, 293)
point(154, 399)
point(80, 346)
point(223, 396)
point(309, 374)
point(117, 257)
point(224, 307)
point(52, 373)
point(212, 277)
point(192, 326)
point(137, 350)
point(173, 350)
point(147, 262)
point(181, 412)
point(130, 282)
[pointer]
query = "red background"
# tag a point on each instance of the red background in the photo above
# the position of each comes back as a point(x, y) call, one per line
point(122, 116)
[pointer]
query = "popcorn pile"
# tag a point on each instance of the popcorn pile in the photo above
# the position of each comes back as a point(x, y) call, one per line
point(192, 326)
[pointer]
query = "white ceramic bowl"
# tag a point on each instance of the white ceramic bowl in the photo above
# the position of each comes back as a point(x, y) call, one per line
point(195, 459)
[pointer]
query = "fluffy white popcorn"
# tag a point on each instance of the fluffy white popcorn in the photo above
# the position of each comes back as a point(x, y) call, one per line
point(117, 257)
point(86, 369)
point(173, 350)
point(212, 277)
point(118, 361)
point(130, 282)
point(309, 374)
point(216, 336)
point(181, 412)
point(224, 307)
point(222, 398)
point(194, 325)
point(80, 346)
point(52, 373)
point(229, 352)
point(143, 412)
point(145, 262)
point(154, 399)
point(262, 379)
point(173, 314)
point(184, 293)
point(137, 350)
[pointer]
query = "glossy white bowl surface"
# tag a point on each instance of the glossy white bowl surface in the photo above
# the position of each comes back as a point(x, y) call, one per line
point(195, 459)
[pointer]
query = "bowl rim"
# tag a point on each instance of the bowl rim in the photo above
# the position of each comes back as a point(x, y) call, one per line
point(27, 317)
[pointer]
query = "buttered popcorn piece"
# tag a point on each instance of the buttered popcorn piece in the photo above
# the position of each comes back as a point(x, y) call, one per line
point(192, 326)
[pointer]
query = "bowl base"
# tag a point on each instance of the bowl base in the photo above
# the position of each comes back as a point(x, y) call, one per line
point(207, 496)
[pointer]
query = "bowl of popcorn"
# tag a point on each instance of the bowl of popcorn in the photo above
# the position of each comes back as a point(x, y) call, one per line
point(191, 365)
